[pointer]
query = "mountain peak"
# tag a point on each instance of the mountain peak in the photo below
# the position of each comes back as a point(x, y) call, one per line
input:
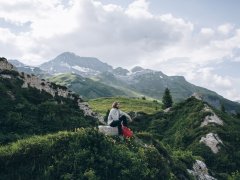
point(70, 62)
point(67, 54)
point(136, 68)
point(120, 71)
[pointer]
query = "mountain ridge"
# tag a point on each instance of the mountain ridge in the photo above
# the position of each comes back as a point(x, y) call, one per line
point(143, 82)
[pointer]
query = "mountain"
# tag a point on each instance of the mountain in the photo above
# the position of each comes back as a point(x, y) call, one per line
point(87, 88)
point(136, 69)
point(29, 69)
point(30, 105)
point(16, 63)
point(70, 63)
point(120, 71)
point(153, 83)
point(135, 83)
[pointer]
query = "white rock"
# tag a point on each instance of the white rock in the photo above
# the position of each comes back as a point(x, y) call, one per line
point(37, 83)
point(108, 130)
point(89, 112)
point(207, 108)
point(5, 76)
point(167, 110)
point(5, 65)
point(211, 118)
point(212, 141)
point(200, 171)
point(197, 96)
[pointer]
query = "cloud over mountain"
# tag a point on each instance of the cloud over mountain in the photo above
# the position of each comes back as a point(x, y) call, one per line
point(121, 36)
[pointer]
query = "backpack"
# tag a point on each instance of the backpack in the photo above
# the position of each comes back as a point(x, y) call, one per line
point(127, 132)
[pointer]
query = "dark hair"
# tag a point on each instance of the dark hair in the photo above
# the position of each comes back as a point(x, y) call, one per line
point(114, 104)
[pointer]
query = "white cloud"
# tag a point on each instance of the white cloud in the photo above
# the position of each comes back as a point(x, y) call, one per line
point(207, 31)
point(214, 81)
point(139, 9)
point(225, 29)
point(117, 35)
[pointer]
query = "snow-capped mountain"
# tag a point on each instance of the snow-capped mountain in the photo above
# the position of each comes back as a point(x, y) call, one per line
point(138, 80)
point(16, 63)
point(69, 62)
point(21, 67)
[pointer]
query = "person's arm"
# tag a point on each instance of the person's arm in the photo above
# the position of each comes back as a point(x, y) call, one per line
point(125, 114)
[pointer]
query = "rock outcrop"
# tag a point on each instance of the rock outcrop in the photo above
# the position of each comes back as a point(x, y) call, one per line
point(211, 119)
point(167, 110)
point(41, 84)
point(212, 141)
point(200, 171)
point(51, 88)
point(89, 112)
point(5, 76)
point(108, 130)
point(55, 90)
point(5, 65)
point(197, 96)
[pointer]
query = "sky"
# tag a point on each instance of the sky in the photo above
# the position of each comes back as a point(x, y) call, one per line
point(198, 39)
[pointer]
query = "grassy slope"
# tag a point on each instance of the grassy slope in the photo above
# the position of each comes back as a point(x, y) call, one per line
point(86, 87)
point(87, 154)
point(27, 111)
point(101, 105)
point(181, 129)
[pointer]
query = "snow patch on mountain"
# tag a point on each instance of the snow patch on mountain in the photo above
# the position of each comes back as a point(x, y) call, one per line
point(64, 64)
point(82, 69)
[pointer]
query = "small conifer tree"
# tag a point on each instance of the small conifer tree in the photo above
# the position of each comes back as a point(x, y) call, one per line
point(167, 99)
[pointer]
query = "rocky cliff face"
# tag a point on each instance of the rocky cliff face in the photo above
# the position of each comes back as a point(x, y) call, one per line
point(211, 140)
point(4, 65)
point(51, 88)
point(41, 84)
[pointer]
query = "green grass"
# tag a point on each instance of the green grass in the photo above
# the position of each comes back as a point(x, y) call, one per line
point(101, 105)
point(84, 154)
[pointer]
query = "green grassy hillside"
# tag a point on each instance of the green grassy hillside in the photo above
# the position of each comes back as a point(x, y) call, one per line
point(29, 111)
point(85, 87)
point(87, 154)
point(101, 105)
point(180, 128)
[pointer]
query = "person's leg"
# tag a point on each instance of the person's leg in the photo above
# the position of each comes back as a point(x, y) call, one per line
point(117, 123)
point(124, 120)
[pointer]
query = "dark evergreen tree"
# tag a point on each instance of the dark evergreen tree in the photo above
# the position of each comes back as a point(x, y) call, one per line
point(167, 99)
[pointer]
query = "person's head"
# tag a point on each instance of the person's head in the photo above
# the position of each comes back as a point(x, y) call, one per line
point(115, 105)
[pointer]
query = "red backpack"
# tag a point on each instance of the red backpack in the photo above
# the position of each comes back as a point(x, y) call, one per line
point(127, 132)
